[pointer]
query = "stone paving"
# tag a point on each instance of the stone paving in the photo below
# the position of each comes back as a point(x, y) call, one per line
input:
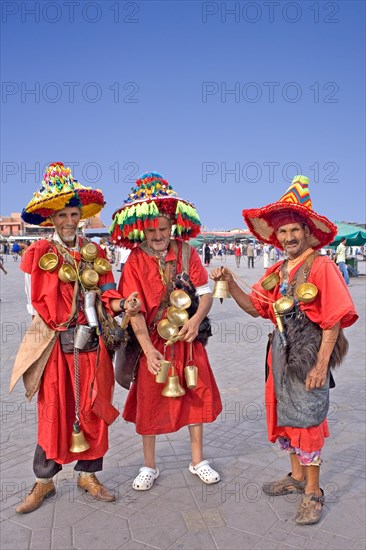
point(179, 511)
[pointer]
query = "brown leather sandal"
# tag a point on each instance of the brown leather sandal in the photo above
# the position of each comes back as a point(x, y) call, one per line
point(283, 486)
point(310, 509)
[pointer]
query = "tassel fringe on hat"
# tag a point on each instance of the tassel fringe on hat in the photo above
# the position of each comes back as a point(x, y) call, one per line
point(151, 198)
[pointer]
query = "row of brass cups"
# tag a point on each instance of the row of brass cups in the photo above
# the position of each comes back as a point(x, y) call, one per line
point(173, 387)
point(67, 274)
point(306, 292)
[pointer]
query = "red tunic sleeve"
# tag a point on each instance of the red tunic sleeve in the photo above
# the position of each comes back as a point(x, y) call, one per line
point(334, 303)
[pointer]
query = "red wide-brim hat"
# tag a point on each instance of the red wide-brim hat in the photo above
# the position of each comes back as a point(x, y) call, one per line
point(293, 207)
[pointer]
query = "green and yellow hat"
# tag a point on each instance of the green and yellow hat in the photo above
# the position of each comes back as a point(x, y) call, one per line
point(151, 198)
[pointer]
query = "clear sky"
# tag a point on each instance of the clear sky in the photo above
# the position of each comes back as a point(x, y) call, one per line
point(228, 100)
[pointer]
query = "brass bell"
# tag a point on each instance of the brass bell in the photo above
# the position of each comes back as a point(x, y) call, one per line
point(78, 441)
point(173, 387)
point(221, 290)
point(89, 252)
point(48, 262)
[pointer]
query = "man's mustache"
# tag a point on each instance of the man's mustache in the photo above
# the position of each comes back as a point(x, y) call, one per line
point(291, 242)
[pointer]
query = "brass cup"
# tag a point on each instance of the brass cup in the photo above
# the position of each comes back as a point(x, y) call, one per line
point(89, 252)
point(166, 330)
point(67, 274)
point(306, 292)
point(180, 299)
point(161, 376)
point(48, 262)
point(283, 305)
point(89, 278)
point(177, 316)
point(191, 376)
point(101, 266)
point(270, 281)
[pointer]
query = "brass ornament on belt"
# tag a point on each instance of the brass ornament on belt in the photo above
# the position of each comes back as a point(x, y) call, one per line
point(48, 262)
point(89, 278)
point(173, 387)
point(67, 273)
point(89, 252)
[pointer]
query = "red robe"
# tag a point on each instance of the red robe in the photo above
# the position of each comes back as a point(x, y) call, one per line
point(332, 305)
point(145, 406)
point(52, 299)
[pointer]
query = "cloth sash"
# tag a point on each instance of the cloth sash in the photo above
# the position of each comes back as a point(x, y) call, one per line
point(33, 354)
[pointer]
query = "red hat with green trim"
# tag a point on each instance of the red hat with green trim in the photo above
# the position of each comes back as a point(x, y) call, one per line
point(152, 198)
point(60, 190)
point(293, 207)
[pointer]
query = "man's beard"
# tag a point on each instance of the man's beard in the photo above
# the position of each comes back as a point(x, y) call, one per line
point(69, 238)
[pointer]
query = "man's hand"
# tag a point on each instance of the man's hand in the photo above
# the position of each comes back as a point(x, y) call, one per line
point(153, 357)
point(222, 274)
point(132, 304)
point(189, 330)
point(316, 378)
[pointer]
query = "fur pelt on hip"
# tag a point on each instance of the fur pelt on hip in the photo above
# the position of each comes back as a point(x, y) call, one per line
point(304, 338)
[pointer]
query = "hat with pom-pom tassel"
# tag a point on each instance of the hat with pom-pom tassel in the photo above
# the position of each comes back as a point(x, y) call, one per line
point(58, 190)
point(293, 207)
point(152, 198)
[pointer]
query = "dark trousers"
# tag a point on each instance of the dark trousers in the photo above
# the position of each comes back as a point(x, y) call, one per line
point(46, 467)
point(250, 261)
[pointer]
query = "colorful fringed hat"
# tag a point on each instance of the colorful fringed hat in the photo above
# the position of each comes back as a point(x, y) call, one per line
point(59, 190)
point(152, 197)
point(293, 207)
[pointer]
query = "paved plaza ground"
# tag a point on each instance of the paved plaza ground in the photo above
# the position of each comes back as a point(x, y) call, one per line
point(179, 511)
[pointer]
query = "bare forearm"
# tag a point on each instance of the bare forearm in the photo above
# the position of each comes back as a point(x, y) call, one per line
point(329, 339)
point(138, 324)
point(242, 299)
point(204, 307)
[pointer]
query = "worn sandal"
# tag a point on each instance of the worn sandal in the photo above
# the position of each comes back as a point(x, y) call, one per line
point(283, 486)
point(310, 509)
point(145, 479)
point(204, 471)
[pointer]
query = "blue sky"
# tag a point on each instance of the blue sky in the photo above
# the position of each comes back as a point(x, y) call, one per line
point(228, 100)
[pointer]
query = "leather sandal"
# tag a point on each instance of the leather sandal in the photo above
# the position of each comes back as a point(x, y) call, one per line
point(310, 509)
point(145, 480)
point(283, 486)
point(204, 471)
